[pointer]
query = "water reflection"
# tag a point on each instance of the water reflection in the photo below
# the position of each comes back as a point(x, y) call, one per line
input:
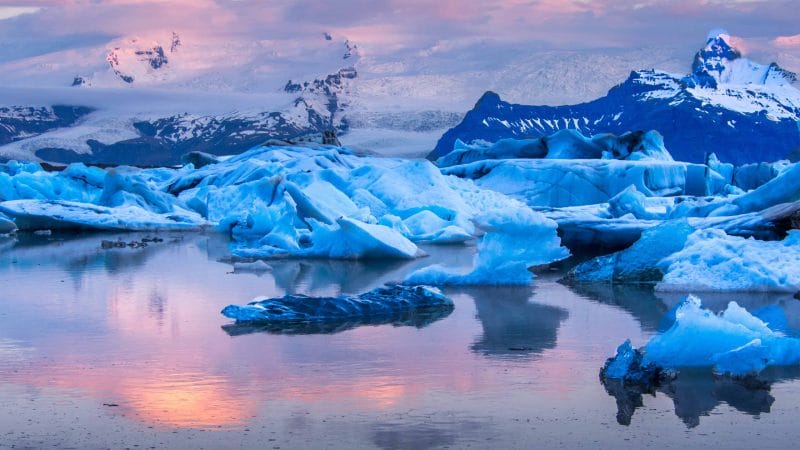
point(640, 301)
point(414, 319)
point(513, 326)
point(394, 435)
point(695, 393)
point(79, 253)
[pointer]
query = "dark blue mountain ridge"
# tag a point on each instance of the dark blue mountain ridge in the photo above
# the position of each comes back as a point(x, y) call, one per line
point(742, 111)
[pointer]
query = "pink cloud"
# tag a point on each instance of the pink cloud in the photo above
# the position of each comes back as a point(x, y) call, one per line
point(787, 41)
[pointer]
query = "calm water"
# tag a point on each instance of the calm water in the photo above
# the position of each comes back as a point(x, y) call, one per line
point(126, 348)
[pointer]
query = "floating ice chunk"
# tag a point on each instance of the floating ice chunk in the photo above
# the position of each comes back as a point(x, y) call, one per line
point(734, 342)
point(628, 365)
point(60, 215)
point(640, 262)
point(377, 304)
point(514, 241)
point(711, 260)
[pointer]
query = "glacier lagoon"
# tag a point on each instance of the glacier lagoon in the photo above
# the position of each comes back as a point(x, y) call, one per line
point(110, 346)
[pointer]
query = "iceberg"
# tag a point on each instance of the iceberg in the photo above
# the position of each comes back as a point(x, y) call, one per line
point(303, 314)
point(678, 257)
point(514, 241)
point(734, 342)
point(558, 183)
point(563, 144)
point(273, 201)
point(65, 215)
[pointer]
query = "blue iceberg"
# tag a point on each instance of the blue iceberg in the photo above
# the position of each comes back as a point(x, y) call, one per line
point(301, 314)
point(735, 343)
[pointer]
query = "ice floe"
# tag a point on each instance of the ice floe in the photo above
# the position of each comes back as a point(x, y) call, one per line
point(303, 314)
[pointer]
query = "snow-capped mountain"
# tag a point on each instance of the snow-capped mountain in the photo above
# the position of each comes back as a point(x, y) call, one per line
point(138, 110)
point(741, 110)
point(224, 93)
point(19, 122)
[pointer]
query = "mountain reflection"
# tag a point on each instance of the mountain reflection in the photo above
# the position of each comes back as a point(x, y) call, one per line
point(514, 327)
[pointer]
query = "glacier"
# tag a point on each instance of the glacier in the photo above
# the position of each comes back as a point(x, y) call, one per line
point(400, 305)
point(734, 342)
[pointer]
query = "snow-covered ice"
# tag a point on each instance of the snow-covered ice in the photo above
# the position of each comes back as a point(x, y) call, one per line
point(711, 260)
point(680, 258)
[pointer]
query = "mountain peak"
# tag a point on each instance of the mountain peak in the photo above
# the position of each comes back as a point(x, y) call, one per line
point(721, 63)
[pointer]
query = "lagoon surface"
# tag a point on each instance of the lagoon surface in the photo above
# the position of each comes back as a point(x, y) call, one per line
point(126, 348)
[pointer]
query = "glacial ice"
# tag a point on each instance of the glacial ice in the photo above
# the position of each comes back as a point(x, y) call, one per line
point(734, 342)
point(65, 215)
point(379, 305)
point(317, 201)
point(515, 240)
point(680, 258)
point(6, 225)
point(563, 183)
point(563, 144)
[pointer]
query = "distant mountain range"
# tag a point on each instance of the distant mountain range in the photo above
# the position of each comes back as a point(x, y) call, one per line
point(741, 110)
point(149, 99)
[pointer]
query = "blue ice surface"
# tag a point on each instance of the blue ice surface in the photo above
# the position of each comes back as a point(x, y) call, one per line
point(380, 303)
point(638, 263)
point(734, 342)
point(562, 144)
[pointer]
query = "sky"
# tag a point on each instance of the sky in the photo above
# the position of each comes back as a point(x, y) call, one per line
point(384, 26)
